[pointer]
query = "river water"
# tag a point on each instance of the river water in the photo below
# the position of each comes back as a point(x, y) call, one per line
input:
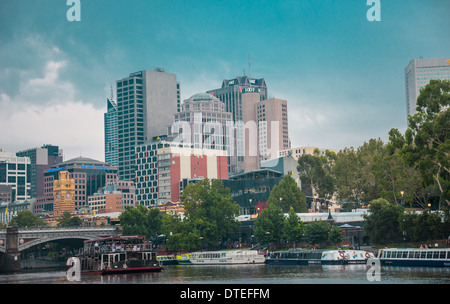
point(247, 274)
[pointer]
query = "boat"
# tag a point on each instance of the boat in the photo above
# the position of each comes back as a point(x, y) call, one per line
point(227, 257)
point(184, 259)
point(422, 257)
point(344, 257)
point(167, 259)
point(118, 254)
point(359, 256)
point(295, 256)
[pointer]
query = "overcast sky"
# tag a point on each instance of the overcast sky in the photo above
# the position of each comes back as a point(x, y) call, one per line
point(343, 76)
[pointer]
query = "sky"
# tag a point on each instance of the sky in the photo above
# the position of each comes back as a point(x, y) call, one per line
point(342, 75)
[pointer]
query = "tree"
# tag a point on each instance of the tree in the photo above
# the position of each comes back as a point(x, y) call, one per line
point(427, 137)
point(269, 225)
point(68, 220)
point(174, 230)
point(382, 223)
point(315, 171)
point(26, 218)
point(154, 224)
point(293, 227)
point(335, 235)
point(317, 232)
point(288, 195)
point(210, 212)
point(134, 221)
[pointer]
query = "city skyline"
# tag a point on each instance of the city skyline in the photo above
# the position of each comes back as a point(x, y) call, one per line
point(342, 75)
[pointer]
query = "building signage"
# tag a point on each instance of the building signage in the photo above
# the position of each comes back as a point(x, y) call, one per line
point(137, 74)
point(251, 90)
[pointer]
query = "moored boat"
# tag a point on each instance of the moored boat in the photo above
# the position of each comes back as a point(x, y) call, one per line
point(344, 257)
point(184, 259)
point(432, 257)
point(227, 257)
point(119, 254)
point(295, 256)
point(167, 259)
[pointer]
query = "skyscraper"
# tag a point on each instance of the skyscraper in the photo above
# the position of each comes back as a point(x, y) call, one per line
point(14, 171)
point(265, 129)
point(418, 73)
point(41, 160)
point(231, 94)
point(146, 102)
point(111, 136)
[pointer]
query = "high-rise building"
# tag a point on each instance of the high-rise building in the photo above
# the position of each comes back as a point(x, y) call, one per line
point(231, 94)
point(418, 73)
point(146, 102)
point(265, 129)
point(161, 165)
point(14, 171)
point(41, 160)
point(111, 136)
point(202, 123)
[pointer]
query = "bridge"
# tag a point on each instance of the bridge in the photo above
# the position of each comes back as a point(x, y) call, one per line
point(13, 240)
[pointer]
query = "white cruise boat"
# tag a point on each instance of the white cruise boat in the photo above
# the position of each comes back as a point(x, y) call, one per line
point(344, 257)
point(227, 257)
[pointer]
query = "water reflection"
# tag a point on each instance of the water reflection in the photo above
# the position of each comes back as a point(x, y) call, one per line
point(246, 274)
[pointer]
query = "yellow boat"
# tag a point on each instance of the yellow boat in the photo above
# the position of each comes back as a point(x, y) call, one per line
point(184, 259)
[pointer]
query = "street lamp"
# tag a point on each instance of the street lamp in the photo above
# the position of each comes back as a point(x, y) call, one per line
point(402, 192)
point(249, 205)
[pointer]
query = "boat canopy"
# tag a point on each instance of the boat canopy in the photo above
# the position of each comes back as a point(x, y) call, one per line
point(116, 238)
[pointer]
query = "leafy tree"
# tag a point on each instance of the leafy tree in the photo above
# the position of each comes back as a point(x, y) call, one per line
point(421, 227)
point(68, 220)
point(382, 221)
point(269, 225)
point(335, 235)
point(288, 195)
point(427, 138)
point(174, 230)
point(26, 218)
point(134, 221)
point(317, 232)
point(293, 227)
point(210, 212)
point(154, 224)
point(315, 172)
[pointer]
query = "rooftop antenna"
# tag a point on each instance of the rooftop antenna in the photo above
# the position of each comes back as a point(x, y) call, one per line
point(249, 66)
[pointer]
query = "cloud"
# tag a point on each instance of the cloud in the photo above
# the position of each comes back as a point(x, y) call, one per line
point(44, 111)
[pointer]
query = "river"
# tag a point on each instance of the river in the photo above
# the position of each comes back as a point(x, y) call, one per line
point(246, 274)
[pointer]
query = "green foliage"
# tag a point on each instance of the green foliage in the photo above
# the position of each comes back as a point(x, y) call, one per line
point(269, 225)
point(335, 235)
point(135, 221)
point(427, 138)
point(290, 194)
point(26, 218)
point(210, 214)
point(382, 221)
point(422, 227)
point(317, 232)
point(293, 227)
point(315, 172)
